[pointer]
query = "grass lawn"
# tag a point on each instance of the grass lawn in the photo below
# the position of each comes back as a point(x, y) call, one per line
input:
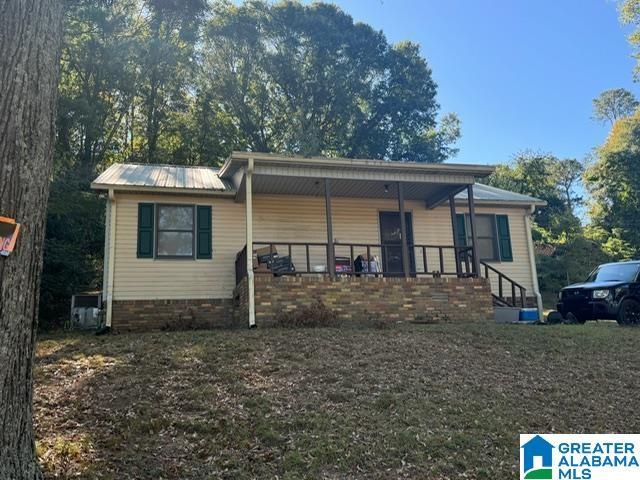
point(414, 401)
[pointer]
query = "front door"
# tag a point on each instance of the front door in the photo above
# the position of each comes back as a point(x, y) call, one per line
point(391, 239)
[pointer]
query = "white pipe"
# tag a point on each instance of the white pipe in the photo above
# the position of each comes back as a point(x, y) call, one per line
point(532, 262)
point(107, 234)
point(249, 230)
point(111, 254)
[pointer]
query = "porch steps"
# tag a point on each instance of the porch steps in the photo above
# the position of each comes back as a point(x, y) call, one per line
point(508, 306)
point(498, 301)
point(509, 292)
point(506, 314)
point(515, 315)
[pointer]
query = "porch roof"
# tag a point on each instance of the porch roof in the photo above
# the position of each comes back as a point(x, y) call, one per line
point(350, 177)
point(361, 168)
point(277, 174)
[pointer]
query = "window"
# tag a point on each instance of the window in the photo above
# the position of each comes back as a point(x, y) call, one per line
point(175, 231)
point(487, 243)
point(494, 241)
point(616, 272)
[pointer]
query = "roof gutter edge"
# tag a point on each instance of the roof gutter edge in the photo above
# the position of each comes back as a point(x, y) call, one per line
point(515, 203)
point(142, 188)
point(466, 169)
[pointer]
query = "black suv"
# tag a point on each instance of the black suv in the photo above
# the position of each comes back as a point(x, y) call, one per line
point(612, 291)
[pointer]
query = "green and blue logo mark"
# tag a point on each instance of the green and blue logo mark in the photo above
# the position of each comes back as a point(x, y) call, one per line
point(536, 459)
point(579, 456)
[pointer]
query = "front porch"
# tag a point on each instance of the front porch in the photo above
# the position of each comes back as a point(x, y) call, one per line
point(366, 249)
point(359, 260)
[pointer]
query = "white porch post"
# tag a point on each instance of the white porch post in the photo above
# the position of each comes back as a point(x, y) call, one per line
point(532, 262)
point(110, 244)
point(249, 247)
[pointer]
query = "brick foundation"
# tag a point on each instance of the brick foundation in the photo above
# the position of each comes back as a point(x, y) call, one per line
point(454, 300)
point(241, 303)
point(174, 314)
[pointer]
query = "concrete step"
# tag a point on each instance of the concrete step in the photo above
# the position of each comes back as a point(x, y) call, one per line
point(506, 314)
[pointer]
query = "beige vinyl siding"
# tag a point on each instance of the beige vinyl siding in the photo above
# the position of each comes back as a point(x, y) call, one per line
point(302, 219)
point(146, 278)
point(520, 268)
point(279, 218)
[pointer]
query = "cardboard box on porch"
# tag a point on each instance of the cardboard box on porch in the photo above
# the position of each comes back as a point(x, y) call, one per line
point(263, 254)
point(259, 267)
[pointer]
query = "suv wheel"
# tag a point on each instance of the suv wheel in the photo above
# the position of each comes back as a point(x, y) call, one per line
point(629, 313)
point(574, 319)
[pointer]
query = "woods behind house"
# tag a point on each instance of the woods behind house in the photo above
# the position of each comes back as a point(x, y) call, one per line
point(186, 82)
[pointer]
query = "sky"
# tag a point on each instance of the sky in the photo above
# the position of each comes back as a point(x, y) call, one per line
point(521, 74)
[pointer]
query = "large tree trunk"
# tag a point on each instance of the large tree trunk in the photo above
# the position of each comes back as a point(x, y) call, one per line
point(30, 35)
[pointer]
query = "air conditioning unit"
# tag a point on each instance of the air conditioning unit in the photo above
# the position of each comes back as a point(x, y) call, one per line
point(86, 310)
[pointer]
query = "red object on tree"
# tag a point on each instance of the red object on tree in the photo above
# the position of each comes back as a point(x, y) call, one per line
point(9, 231)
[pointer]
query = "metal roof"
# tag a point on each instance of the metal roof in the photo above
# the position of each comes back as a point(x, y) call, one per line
point(161, 176)
point(239, 159)
point(127, 176)
point(485, 193)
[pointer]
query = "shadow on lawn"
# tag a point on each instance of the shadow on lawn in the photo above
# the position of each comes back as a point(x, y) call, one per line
point(410, 402)
point(62, 374)
point(130, 406)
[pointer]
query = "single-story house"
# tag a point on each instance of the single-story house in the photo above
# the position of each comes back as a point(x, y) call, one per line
point(266, 234)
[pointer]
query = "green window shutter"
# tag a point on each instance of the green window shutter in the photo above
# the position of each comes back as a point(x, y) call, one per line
point(504, 238)
point(145, 230)
point(462, 230)
point(204, 231)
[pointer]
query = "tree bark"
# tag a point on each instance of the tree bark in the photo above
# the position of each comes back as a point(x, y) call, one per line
point(30, 36)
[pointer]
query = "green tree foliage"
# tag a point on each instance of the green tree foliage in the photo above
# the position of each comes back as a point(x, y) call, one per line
point(614, 184)
point(167, 66)
point(97, 84)
point(614, 104)
point(567, 259)
point(97, 91)
point(566, 251)
point(630, 15)
point(307, 79)
point(550, 179)
point(188, 81)
point(73, 246)
point(567, 174)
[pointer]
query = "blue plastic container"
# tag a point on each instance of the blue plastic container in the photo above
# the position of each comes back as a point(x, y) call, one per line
point(528, 315)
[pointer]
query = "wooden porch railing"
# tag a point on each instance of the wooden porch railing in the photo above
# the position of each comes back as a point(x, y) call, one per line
point(491, 272)
point(434, 260)
point(241, 264)
point(310, 258)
